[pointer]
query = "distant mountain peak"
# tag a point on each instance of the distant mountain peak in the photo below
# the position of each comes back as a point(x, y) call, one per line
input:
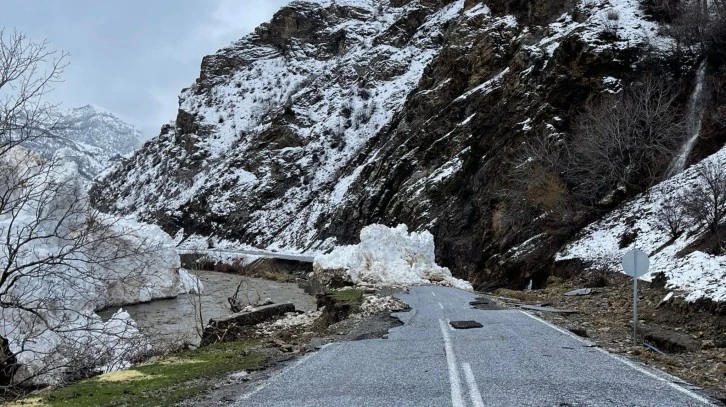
point(91, 136)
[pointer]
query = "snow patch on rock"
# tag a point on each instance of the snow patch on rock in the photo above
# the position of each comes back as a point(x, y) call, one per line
point(387, 256)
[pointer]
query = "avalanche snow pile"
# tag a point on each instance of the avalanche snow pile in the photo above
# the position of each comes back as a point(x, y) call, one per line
point(62, 261)
point(699, 274)
point(374, 304)
point(386, 256)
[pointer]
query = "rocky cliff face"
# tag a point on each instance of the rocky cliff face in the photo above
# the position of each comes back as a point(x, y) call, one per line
point(89, 136)
point(339, 113)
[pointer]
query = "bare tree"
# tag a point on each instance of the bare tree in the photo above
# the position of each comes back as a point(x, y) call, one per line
point(706, 202)
point(672, 217)
point(623, 142)
point(60, 258)
point(699, 23)
point(27, 71)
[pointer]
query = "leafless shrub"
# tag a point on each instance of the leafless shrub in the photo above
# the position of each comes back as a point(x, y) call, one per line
point(613, 15)
point(672, 217)
point(706, 202)
point(195, 299)
point(701, 23)
point(536, 173)
point(538, 189)
point(624, 141)
point(244, 296)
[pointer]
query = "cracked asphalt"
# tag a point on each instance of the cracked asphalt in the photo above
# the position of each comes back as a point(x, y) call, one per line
point(515, 359)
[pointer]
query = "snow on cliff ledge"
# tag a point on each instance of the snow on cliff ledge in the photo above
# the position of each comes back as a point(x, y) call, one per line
point(387, 256)
point(699, 274)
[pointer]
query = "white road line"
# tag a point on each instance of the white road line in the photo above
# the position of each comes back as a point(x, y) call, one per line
point(433, 293)
point(557, 328)
point(456, 398)
point(473, 388)
point(440, 306)
point(629, 363)
point(448, 323)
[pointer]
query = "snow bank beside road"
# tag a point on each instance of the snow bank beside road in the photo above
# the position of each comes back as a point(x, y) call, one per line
point(61, 261)
point(387, 256)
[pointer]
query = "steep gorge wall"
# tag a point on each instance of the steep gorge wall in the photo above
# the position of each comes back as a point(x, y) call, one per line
point(339, 114)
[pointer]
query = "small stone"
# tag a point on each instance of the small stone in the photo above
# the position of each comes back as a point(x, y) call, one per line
point(719, 370)
point(581, 332)
point(707, 344)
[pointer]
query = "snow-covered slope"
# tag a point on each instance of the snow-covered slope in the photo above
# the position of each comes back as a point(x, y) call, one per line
point(636, 225)
point(339, 114)
point(274, 120)
point(91, 137)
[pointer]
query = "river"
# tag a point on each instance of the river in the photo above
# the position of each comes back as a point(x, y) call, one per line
point(170, 322)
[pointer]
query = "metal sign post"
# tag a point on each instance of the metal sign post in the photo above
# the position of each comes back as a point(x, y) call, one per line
point(635, 263)
point(635, 309)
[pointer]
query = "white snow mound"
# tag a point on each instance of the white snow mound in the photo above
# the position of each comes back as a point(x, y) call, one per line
point(387, 256)
point(189, 283)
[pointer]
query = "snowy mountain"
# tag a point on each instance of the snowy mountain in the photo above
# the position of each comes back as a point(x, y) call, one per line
point(90, 136)
point(338, 114)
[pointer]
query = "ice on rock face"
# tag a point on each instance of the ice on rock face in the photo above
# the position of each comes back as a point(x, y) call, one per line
point(387, 256)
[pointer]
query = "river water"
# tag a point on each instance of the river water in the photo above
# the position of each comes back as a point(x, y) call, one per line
point(170, 322)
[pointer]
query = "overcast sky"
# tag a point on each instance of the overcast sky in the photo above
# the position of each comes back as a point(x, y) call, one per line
point(134, 56)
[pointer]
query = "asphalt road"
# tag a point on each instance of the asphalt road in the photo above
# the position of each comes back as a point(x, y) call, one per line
point(515, 359)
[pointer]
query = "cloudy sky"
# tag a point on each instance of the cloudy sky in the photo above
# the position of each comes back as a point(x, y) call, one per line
point(134, 56)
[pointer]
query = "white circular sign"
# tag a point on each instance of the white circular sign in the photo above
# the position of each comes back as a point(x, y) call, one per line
point(635, 263)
